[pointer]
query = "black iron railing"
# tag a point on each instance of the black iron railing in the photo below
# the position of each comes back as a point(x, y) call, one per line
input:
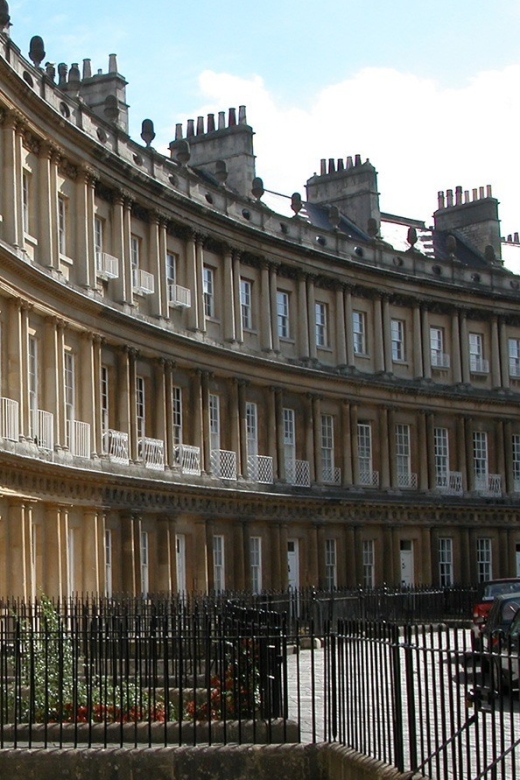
point(136, 672)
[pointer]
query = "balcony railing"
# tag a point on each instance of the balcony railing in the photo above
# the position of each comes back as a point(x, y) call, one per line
point(331, 475)
point(369, 478)
point(42, 429)
point(260, 468)
point(450, 483)
point(439, 359)
point(79, 438)
point(488, 484)
point(151, 452)
point(107, 266)
point(516, 484)
point(179, 296)
point(115, 445)
point(8, 419)
point(514, 366)
point(224, 464)
point(478, 365)
point(297, 472)
point(143, 282)
point(407, 480)
point(188, 458)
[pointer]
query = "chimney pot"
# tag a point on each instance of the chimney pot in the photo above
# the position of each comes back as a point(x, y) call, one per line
point(191, 127)
point(221, 120)
point(323, 166)
point(112, 63)
point(232, 117)
point(87, 69)
point(341, 164)
point(466, 196)
point(357, 159)
point(349, 161)
point(474, 192)
point(449, 198)
point(242, 115)
point(509, 238)
point(480, 192)
point(489, 193)
point(440, 199)
point(178, 131)
point(211, 123)
point(515, 238)
point(331, 165)
point(458, 195)
point(200, 125)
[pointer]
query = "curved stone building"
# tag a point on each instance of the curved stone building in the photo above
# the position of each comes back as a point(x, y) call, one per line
point(205, 386)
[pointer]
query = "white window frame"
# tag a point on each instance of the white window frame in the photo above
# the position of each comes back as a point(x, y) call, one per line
point(105, 410)
point(364, 445)
point(177, 414)
point(480, 454)
point(327, 443)
point(403, 449)
point(484, 552)
point(208, 287)
point(135, 252)
point(515, 447)
point(69, 382)
point(445, 553)
point(397, 336)
point(71, 538)
point(514, 357)
point(289, 440)
point(359, 332)
point(246, 303)
point(99, 230)
point(144, 548)
point(331, 577)
point(321, 324)
point(140, 406)
point(282, 314)
point(252, 428)
point(26, 201)
point(33, 372)
point(441, 456)
point(255, 555)
point(62, 224)
point(368, 560)
point(108, 562)
point(438, 358)
point(219, 573)
point(214, 421)
point(476, 352)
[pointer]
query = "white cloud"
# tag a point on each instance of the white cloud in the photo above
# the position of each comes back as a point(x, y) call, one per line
point(420, 136)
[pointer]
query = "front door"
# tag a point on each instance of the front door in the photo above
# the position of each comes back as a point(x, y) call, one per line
point(293, 573)
point(407, 573)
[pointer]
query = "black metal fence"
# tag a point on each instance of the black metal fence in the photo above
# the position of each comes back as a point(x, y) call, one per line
point(129, 672)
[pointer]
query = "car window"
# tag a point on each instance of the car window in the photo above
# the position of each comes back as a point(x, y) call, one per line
point(509, 611)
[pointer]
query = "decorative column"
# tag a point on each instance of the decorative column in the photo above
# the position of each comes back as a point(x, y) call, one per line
point(17, 349)
point(272, 430)
point(465, 557)
point(456, 362)
point(46, 236)
point(60, 421)
point(156, 265)
point(379, 349)
point(500, 453)
point(276, 575)
point(84, 227)
point(198, 423)
point(131, 554)
point(468, 425)
point(426, 344)
point(311, 316)
point(194, 283)
point(199, 263)
point(504, 352)
point(389, 556)
point(423, 450)
point(508, 455)
point(266, 324)
point(234, 420)
point(351, 557)
point(228, 313)
point(314, 444)
point(387, 335)
point(430, 445)
point(164, 297)
point(385, 451)
point(200, 547)
point(496, 378)
point(93, 551)
point(341, 333)
point(280, 449)
point(162, 410)
point(12, 181)
point(55, 553)
point(89, 389)
point(346, 444)
point(243, 467)
point(126, 263)
point(274, 307)
point(239, 580)
point(392, 448)
point(206, 435)
point(302, 326)
point(417, 343)
point(425, 570)
point(236, 305)
point(51, 378)
point(119, 246)
point(18, 544)
point(354, 443)
point(464, 348)
point(349, 335)
point(284, 564)
point(462, 463)
point(169, 444)
point(165, 577)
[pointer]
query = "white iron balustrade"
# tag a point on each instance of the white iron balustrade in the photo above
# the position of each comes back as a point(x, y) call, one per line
point(369, 478)
point(115, 445)
point(440, 359)
point(450, 483)
point(407, 480)
point(488, 484)
point(8, 419)
point(224, 464)
point(43, 429)
point(188, 458)
point(260, 468)
point(331, 475)
point(179, 296)
point(478, 365)
point(151, 452)
point(79, 438)
point(107, 266)
point(297, 472)
point(143, 282)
